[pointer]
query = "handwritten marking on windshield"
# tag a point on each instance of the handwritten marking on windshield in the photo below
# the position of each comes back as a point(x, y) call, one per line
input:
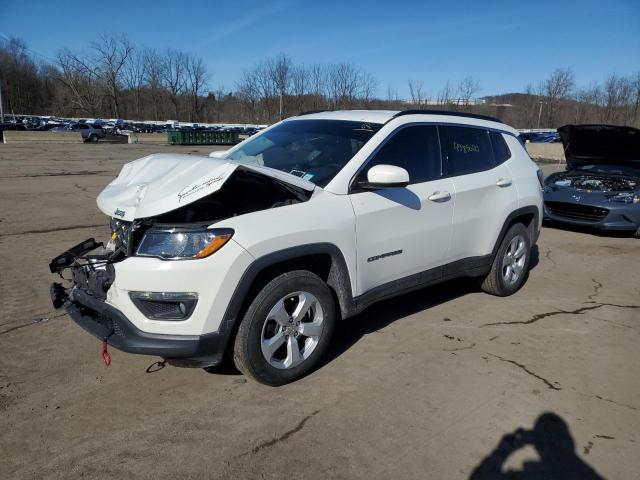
point(193, 189)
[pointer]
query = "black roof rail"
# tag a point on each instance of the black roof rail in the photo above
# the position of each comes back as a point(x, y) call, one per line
point(309, 112)
point(446, 112)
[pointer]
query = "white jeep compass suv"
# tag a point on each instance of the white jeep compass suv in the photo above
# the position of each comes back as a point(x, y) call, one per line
point(259, 250)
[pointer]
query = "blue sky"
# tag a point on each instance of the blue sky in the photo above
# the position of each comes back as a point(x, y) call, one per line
point(504, 44)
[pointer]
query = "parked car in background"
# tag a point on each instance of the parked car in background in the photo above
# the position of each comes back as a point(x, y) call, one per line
point(259, 250)
point(90, 132)
point(601, 185)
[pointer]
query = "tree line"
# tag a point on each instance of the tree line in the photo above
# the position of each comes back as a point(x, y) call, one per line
point(112, 78)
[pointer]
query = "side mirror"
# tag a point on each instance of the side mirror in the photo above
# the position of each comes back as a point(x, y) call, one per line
point(218, 153)
point(386, 176)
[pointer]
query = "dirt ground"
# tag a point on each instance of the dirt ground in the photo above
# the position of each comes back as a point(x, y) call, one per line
point(422, 386)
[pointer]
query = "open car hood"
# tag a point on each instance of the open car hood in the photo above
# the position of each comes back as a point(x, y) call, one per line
point(600, 144)
point(163, 182)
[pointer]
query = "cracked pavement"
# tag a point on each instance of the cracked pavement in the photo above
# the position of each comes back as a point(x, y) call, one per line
point(448, 372)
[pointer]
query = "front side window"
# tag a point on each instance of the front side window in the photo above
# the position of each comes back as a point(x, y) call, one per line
point(315, 150)
point(465, 150)
point(414, 148)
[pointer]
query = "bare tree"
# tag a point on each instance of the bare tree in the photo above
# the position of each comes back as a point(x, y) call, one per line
point(342, 83)
point(249, 91)
point(392, 94)
point(635, 86)
point(557, 88)
point(154, 72)
point(467, 89)
point(82, 83)
point(618, 97)
point(368, 85)
point(416, 92)
point(280, 69)
point(173, 77)
point(134, 76)
point(112, 54)
point(300, 84)
point(445, 96)
point(317, 85)
point(197, 78)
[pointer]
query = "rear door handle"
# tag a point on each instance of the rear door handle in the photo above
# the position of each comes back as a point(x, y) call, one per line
point(439, 196)
point(503, 182)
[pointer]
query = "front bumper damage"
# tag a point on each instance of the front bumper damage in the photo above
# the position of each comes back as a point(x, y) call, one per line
point(85, 303)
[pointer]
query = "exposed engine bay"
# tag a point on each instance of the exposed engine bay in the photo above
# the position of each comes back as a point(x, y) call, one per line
point(244, 192)
point(591, 182)
point(91, 262)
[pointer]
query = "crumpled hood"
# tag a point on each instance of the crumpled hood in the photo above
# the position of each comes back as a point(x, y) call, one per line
point(600, 144)
point(163, 182)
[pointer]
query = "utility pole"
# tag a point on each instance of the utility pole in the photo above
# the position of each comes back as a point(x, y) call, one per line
point(1, 111)
point(540, 113)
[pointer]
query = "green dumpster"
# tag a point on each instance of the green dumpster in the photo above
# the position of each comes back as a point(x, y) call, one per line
point(202, 137)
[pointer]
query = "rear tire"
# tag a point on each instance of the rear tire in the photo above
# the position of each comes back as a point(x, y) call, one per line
point(93, 138)
point(510, 266)
point(637, 234)
point(286, 329)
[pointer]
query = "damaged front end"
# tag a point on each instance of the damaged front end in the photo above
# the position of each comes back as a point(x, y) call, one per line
point(167, 211)
point(92, 274)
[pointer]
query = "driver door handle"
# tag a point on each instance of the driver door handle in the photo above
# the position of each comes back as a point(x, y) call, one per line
point(439, 196)
point(503, 182)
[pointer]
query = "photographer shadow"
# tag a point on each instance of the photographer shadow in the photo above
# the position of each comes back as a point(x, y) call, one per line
point(555, 446)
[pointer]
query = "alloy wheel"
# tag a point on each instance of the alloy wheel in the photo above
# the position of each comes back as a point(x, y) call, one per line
point(292, 330)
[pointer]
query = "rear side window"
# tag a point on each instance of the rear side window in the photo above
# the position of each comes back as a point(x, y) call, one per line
point(465, 150)
point(501, 151)
point(414, 148)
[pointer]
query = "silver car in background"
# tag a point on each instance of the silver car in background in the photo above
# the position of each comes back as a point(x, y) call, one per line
point(601, 185)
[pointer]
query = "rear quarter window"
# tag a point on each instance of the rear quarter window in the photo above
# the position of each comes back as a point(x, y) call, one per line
point(465, 150)
point(501, 151)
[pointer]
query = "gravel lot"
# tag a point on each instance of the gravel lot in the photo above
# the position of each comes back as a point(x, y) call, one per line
point(421, 386)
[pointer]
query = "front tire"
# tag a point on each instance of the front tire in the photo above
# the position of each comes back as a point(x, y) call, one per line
point(286, 329)
point(511, 265)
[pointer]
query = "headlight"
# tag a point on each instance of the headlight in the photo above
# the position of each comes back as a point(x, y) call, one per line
point(182, 243)
point(626, 197)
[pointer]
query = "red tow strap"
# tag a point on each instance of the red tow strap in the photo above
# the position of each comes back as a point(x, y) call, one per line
point(106, 358)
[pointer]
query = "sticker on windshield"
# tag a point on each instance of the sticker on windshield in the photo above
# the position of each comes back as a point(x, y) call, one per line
point(298, 173)
point(364, 127)
point(308, 176)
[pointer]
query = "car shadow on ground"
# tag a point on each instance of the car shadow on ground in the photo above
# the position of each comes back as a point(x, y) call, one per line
point(556, 449)
point(347, 333)
point(375, 318)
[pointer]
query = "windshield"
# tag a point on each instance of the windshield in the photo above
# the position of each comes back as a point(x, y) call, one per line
point(315, 150)
point(610, 169)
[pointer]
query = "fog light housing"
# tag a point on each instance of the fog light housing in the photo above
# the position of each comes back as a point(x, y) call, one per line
point(165, 305)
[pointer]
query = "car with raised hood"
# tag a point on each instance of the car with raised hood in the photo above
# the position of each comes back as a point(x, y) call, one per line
point(600, 187)
point(254, 253)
